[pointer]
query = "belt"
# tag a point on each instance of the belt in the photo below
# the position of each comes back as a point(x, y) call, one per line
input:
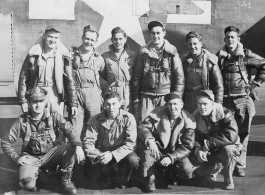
point(198, 87)
point(119, 83)
point(197, 70)
point(46, 84)
point(85, 85)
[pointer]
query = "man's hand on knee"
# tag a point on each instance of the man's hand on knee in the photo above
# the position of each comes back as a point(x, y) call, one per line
point(24, 160)
point(165, 161)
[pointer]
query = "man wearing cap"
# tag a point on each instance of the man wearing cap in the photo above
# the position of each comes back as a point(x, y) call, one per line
point(201, 71)
point(216, 140)
point(48, 65)
point(88, 66)
point(236, 63)
point(166, 138)
point(119, 66)
point(109, 143)
point(39, 131)
point(157, 72)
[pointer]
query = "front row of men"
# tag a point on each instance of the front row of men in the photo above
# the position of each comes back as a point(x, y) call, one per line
point(169, 138)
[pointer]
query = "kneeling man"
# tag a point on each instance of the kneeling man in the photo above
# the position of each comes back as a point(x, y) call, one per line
point(39, 130)
point(166, 139)
point(216, 139)
point(109, 143)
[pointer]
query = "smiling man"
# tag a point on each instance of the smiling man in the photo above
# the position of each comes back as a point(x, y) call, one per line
point(236, 64)
point(88, 66)
point(109, 144)
point(48, 65)
point(216, 140)
point(166, 140)
point(39, 130)
point(201, 72)
point(157, 72)
point(119, 62)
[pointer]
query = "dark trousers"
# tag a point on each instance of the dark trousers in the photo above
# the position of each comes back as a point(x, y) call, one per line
point(60, 155)
point(243, 109)
point(227, 156)
point(182, 168)
point(120, 171)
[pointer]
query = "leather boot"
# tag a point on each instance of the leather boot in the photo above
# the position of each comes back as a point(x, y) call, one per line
point(67, 184)
point(150, 183)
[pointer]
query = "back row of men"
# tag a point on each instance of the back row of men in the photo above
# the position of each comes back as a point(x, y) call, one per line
point(142, 82)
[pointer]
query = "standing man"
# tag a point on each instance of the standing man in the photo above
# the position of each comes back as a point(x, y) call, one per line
point(48, 65)
point(216, 139)
point(119, 66)
point(166, 139)
point(39, 132)
point(157, 72)
point(88, 66)
point(201, 71)
point(109, 143)
point(236, 64)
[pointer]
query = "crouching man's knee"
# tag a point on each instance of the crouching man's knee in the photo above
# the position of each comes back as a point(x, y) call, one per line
point(133, 160)
point(28, 183)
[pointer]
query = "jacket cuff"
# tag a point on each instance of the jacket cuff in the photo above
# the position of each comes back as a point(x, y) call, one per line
point(147, 139)
point(76, 143)
point(197, 150)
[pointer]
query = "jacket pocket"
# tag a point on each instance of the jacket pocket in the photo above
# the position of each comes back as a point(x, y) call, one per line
point(149, 80)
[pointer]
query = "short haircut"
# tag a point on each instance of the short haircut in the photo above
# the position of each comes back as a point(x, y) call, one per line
point(231, 28)
point(118, 30)
point(112, 94)
point(193, 34)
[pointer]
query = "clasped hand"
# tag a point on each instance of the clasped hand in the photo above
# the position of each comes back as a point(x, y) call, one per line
point(105, 158)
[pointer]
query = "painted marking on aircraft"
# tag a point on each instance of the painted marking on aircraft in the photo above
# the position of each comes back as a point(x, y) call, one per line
point(204, 18)
point(119, 13)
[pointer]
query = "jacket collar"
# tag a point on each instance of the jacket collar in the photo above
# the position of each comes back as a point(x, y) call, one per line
point(103, 118)
point(167, 47)
point(37, 49)
point(238, 52)
point(204, 54)
point(126, 47)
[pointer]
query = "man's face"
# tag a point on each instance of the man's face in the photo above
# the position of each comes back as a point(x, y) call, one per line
point(112, 106)
point(175, 106)
point(89, 40)
point(205, 106)
point(37, 106)
point(195, 46)
point(157, 35)
point(231, 39)
point(51, 38)
point(118, 41)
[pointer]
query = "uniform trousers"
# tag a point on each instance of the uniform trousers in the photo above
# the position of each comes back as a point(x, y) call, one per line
point(243, 109)
point(63, 155)
point(89, 105)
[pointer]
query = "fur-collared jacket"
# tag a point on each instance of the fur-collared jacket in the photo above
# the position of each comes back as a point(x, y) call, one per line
point(236, 69)
point(179, 139)
point(155, 75)
point(33, 71)
point(211, 74)
point(216, 130)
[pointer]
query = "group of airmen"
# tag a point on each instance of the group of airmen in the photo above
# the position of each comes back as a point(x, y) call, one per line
point(187, 117)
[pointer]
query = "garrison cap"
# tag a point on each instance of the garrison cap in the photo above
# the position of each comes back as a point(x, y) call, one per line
point(36, 93)
point(154, 24)
point(231, 28)
point(206, 93)
point(90, 28)
point(171, 96)
point(52, 27)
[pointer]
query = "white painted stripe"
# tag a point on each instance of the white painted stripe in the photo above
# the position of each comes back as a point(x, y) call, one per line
point(8, 169)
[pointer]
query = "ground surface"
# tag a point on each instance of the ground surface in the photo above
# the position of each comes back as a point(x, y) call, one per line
point(252, 184)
